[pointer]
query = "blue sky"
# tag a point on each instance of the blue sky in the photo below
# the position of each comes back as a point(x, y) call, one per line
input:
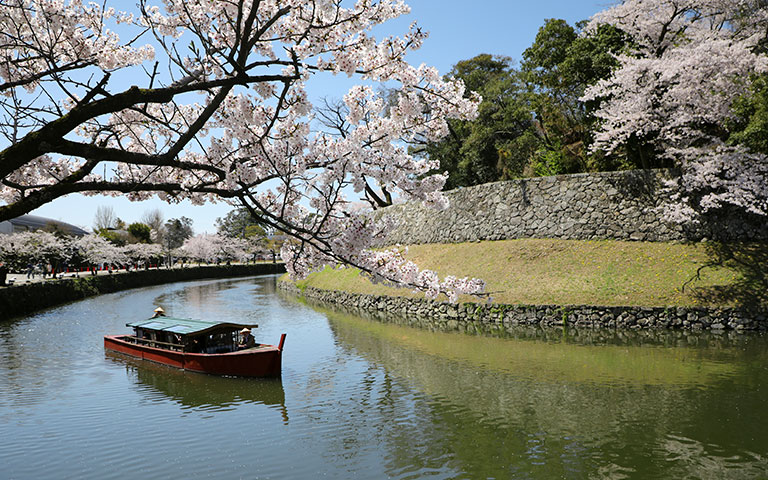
point(458, 30)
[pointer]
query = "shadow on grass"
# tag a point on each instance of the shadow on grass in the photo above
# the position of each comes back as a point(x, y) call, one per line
point(750, 263)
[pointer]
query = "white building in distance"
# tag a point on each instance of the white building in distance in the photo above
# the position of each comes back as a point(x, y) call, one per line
point(27, 223)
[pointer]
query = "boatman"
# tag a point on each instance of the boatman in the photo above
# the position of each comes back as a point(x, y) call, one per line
point(159, 312)
point(248, 340)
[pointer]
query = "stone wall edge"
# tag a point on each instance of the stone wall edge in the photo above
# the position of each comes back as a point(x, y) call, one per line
point(483, 317)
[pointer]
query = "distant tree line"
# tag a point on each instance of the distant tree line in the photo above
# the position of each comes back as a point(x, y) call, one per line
point(152, 241)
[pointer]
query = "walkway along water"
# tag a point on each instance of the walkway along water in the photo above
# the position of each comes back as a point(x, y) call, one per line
point(21, 299)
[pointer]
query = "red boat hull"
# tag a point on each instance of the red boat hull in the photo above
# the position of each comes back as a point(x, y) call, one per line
point(262, 361)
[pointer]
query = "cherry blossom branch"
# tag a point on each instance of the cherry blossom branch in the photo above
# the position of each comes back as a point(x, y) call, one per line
point(231, 119)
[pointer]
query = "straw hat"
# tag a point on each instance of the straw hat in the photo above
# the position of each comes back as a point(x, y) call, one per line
point(245, 330)
point(159, 310)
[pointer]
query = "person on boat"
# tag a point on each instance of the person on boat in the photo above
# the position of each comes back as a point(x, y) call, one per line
point(159, 312)
point(194, 346)
point(248, 340)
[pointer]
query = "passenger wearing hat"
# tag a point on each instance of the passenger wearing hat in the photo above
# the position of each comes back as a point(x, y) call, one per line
point(248, 340)
point(159, 312)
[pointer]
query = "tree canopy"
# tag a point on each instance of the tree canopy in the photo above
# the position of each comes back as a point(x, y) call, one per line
point(140, 231)
point(177, 230)
point(558, 67)
point(240, 223)
point(531, 120)
point(643, 84)
point(497, 144)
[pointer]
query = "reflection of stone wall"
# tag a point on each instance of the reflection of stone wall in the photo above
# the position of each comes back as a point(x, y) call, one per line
point(489, 400)
point(472, 317)
point(608, 205)
point(23, 299)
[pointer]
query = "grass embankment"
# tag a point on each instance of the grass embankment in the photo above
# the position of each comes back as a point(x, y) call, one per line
point(569, 272)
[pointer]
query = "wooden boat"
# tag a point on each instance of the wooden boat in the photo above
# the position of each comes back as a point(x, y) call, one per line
point(199, 346)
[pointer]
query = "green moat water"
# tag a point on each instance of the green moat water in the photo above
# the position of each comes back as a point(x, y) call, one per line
point(363, 399)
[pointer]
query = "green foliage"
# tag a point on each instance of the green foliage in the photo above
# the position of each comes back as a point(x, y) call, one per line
point(750, 126)
point(590, 58)
point(255, 231)
point(140, 231)
point(549, 162)
point(531, 121)
point(557, 68)
point(176, 231)
point(542, 60)
point(133, 233)
point(114, 237)
point(240, 223)
point(497, 144)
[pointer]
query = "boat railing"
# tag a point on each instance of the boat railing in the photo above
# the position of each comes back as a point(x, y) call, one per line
point(177, 347)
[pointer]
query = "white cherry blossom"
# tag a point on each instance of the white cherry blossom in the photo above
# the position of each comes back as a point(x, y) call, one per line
point(690, 61)
point(222, 113)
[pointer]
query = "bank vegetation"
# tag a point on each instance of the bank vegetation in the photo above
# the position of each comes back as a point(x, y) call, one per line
point(571, 272)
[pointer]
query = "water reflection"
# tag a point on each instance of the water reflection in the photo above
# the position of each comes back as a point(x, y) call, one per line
point(559, 406)
point(200, 391)
point(374, 400)
point(556, 356)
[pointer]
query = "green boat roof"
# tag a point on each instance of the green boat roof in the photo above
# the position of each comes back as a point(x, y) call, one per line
point(185, 326)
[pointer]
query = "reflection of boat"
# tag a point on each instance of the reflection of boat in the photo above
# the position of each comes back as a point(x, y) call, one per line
point(195, 390)
point(199, 346)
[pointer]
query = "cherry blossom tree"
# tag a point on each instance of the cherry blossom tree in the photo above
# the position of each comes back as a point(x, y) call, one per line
point(210, 248)
point(19, 249)
point(201, 248)
point(670, 100)
point(226, 116)
point(95, 249)
point(237, 249)
point(143, 252)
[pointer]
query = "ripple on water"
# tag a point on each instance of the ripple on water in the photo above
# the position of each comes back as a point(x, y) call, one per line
point(370, 400)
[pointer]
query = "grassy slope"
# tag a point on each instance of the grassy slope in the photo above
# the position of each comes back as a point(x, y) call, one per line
point(538, 271)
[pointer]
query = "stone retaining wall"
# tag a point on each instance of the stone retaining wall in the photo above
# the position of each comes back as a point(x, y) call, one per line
point(471, 317)
point(607, 205)
point(24, 299)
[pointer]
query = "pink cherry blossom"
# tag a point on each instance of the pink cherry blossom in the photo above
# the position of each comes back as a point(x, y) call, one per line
point(223, 114)
point(691, 60)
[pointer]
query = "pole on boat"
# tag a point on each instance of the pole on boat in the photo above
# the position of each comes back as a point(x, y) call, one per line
point(282, 341)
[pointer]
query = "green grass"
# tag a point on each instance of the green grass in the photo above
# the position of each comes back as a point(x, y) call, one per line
point(543, 271)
